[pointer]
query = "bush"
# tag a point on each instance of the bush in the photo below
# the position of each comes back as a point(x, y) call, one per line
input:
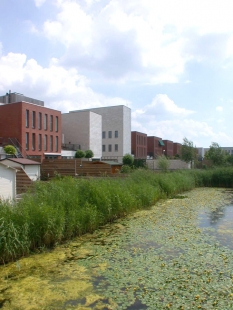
point(10, 149)
point(89, 154)
point(128, 160)
point(80, 154)
point(163, 163)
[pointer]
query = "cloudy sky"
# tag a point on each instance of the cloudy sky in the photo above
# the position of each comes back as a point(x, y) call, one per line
point(170, 61)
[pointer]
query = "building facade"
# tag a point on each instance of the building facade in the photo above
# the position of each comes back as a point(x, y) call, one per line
point(33, 129)
point(116, 131)
point(177, 148)
point(168, 147)
point(139, 144)
point(155, 146)
point(82, 130)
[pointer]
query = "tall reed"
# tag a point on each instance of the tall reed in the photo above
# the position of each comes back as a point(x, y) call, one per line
point(63, 208)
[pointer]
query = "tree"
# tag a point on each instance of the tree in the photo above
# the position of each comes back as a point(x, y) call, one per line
point(188, 151)
point(163, 163)
point(89, 154)
point(216, 154)
point(10, 149)
point(80, 154)
point(128, 160)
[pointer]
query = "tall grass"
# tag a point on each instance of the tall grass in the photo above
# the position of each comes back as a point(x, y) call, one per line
point(63, 208)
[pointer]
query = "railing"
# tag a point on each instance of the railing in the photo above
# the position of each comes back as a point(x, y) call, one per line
point(15, 142)
point(71, 147)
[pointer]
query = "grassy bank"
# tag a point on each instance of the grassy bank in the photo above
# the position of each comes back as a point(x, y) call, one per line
point(63, 208)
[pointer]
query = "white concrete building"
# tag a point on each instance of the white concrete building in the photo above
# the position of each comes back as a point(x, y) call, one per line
point(7, 182)
point(116, 130)
point(83, 128)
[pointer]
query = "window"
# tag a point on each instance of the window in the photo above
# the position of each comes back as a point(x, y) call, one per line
point(56, 124)
point(33, 119)
point(27, 118)
point(45, 121)
point(103, 148)
point(116, 133)
point(33, 141)
point(110, 147)
point(39, 142)
point(110, 134)
point(45, 142)
point(103, 135)
point(40, 121)
point(56, 144)
point(51, 143)
point(116, 147)
point(51, 123)
point(27, 141)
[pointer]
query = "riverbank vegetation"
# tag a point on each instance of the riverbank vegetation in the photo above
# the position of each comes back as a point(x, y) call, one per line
point(58, 210)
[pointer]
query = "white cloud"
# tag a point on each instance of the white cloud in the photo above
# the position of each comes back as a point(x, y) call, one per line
point(219, 109)
point(38, 3)
point(151, 41)
point(60, 88)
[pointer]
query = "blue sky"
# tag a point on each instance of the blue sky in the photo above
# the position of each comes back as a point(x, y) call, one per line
point(171, 62)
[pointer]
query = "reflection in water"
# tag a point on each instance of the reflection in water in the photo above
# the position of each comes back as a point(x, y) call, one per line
point(220, 220)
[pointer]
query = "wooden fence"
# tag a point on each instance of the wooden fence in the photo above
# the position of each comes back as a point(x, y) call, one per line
point(73, 167)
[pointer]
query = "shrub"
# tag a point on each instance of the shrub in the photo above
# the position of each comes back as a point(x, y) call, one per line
point(163, 163)
point(89, 154)
point(80, 154)
point(10, 149)
point(128, 160)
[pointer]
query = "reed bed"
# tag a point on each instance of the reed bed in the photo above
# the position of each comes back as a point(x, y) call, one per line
point(58, 210)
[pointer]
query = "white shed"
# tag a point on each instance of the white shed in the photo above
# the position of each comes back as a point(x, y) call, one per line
point(7, 182)
point(31, 167)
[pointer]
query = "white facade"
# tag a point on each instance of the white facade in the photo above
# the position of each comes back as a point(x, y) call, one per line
point(2, 153)
point(116, 131)
point(83, 128)
point(7, 182)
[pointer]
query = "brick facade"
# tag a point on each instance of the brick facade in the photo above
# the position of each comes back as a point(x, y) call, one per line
point(154, 146)
point(176, 148)
point(168, 147)
point(26, 123)
point(139, 144)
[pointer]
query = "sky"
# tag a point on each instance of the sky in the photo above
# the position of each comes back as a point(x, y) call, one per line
point(170, 61)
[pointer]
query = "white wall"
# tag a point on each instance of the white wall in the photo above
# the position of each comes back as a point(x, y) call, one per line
point(84, 128)
point(7, 182)
point(33, 171)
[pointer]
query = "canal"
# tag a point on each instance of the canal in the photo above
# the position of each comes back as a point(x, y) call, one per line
point(176, 255)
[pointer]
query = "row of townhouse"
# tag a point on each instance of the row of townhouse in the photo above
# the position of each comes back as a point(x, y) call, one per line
point(143, 146)
point(39, 132)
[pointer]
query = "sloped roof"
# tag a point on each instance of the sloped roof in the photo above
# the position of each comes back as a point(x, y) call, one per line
point(24, 161)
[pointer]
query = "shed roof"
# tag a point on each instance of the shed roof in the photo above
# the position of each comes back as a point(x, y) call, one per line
point(23, 161)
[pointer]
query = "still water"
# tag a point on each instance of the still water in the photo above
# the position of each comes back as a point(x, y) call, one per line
point(176, 255)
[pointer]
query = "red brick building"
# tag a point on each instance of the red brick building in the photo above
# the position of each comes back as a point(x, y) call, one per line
point(176, 148)
point(33, 129)
point(168, 147)
point(139, 144)
point(155, 146)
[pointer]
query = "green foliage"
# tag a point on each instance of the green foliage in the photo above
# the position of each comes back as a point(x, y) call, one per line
point(66, 207)
point(216, 154)
point(188, 151)
point(128, 160)
point(229, 159)
point(10, 149)
point(80, 154)
point(163, 163)
point(126, 169)
point(140, 163)
point(89, 154)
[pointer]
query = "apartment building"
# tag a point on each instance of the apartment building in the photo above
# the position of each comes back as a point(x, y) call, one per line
point(82, 129)
point(33, 129)
point(155, 146)
point(168, 147)
point(139, 144)
point(116, 130)
point(177, 148)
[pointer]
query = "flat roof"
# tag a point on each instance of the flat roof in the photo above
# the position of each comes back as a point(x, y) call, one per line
point(23, 161)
